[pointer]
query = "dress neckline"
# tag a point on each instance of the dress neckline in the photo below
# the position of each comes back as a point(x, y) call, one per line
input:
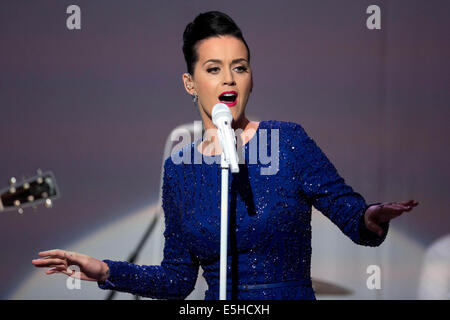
point(245, 145)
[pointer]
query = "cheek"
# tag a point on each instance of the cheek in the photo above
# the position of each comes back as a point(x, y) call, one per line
point(208, 89)
point(246, 84)
point(246, 90)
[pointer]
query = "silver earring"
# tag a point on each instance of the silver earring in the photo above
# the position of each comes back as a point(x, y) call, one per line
point(194, 98)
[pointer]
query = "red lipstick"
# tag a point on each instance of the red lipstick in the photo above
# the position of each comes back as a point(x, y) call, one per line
point(229, 98)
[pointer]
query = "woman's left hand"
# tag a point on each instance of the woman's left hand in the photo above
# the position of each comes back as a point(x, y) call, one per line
point(377, 214)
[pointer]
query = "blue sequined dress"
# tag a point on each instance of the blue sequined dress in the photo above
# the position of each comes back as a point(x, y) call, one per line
point(269, 249)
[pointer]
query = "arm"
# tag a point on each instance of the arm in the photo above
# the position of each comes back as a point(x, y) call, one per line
point(328, 192)
point(176, 277)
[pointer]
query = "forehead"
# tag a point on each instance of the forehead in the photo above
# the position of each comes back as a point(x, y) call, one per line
point(222, 47)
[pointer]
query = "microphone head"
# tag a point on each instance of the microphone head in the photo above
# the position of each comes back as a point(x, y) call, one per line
point(219, 111)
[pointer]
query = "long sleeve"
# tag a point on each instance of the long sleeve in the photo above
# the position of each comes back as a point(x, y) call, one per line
point(329, 193)
point(175, 278)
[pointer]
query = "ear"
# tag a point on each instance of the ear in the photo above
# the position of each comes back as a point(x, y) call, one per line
point(188, 83)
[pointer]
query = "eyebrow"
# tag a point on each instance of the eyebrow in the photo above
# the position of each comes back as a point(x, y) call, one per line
point(220, 61)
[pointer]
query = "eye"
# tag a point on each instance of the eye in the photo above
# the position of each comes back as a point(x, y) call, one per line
point(241, 69)
point(212, 70)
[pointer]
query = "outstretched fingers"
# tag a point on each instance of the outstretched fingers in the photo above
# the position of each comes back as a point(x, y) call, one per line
point(49, 262)
point(67, 271)
point(57, 260)
point(409, 204)
point(57, 253)
point(51, 258)
point(391, 210)
point(71, 257)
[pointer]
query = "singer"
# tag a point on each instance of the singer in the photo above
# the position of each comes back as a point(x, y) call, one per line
point(269, 248)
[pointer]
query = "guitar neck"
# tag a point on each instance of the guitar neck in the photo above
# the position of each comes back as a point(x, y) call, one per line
point(39, 189)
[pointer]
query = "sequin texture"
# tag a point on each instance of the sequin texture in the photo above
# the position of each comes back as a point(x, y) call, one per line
point(269, 223)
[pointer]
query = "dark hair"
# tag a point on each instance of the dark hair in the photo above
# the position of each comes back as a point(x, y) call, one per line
point(206, 25)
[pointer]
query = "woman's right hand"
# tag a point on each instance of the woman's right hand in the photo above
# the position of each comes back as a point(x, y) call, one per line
point(91, 269)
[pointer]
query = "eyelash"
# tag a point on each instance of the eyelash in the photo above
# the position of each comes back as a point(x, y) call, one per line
point(243, 69)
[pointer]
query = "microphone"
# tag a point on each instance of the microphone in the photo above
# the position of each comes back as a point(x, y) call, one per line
point(222, 118)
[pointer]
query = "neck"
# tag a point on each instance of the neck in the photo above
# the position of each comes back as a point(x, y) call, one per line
point(243, 123)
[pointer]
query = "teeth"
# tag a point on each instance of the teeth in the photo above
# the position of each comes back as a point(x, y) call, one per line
point(228, 97)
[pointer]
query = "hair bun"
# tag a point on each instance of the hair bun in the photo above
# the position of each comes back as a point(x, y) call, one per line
point(206, 25)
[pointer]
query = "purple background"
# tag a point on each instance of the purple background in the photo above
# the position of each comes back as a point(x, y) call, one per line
point(96, 105)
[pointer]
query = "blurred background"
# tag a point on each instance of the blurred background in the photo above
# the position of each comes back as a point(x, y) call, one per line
point(96, 106)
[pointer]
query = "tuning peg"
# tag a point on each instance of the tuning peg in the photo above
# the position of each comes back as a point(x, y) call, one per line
point(39, 179)
point(12, 181)
point(48, 203)
point(17, 204)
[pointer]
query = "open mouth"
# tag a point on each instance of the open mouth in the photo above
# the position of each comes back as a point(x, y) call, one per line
point(229, 98)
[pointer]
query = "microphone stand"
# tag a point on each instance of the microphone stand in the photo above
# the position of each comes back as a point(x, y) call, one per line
point(225, 165)
point(223, 228)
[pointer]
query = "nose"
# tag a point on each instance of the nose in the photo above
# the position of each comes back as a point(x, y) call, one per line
point(228, 78)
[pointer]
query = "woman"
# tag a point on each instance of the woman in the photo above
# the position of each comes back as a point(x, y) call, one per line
point(269, 215)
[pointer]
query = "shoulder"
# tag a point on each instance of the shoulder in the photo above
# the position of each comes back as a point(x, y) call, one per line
point(287, 129)
point(171, 163)
point(277, 124)
point(180, 154)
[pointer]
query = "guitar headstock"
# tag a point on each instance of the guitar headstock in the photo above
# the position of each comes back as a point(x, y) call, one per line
point(40, 189)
